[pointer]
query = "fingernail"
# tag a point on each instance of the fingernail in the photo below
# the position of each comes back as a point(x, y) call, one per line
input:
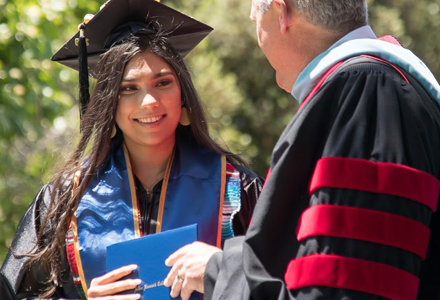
point(138, 281)
point(138, 296)
point(133, 267)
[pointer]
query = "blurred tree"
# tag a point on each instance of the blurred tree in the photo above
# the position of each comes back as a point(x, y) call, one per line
point(414, 23)
point(36, 100)
point(38, 117)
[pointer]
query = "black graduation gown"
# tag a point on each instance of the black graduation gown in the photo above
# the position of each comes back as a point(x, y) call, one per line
point(364, 112)
point(17, 282)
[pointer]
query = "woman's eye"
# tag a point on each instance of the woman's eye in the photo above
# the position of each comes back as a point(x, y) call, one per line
point(164, 82)
point(128, 88)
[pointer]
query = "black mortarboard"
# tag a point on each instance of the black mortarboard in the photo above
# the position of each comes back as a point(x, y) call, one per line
point(184, 31)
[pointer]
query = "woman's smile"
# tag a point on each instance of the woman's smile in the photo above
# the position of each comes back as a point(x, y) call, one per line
point(151, 120)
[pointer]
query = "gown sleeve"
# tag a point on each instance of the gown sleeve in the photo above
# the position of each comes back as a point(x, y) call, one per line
point(347, 210)
point(17, 279)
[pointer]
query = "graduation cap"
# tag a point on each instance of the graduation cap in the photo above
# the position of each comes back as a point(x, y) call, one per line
point(117, 20)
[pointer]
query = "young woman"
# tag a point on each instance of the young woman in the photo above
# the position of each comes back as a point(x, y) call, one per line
point(145, 163)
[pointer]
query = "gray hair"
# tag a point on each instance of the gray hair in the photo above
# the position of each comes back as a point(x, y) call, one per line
point(334, 15)
point(263, 5)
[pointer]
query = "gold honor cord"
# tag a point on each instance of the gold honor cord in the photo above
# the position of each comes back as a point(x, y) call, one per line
point(77, 255)
point(134, 201)
point(76, 238)
point(222, 199)
point(163, 192)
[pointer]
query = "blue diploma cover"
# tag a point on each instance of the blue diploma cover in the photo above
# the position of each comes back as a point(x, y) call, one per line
point(149, 253)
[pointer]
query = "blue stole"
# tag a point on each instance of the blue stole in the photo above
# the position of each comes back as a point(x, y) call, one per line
point(192, 192)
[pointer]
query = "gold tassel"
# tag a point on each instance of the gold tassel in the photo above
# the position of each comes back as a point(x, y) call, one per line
point(184, 118)
point(113, 131)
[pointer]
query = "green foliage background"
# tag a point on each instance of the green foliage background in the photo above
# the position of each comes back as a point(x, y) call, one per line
point(38, 113)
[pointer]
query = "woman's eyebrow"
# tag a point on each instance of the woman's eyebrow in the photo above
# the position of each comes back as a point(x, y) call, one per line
point(157, 75)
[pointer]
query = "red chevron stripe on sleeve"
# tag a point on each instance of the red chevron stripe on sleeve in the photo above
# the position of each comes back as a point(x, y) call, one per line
point(376, 177)
point(364, 224)
point(343, 272)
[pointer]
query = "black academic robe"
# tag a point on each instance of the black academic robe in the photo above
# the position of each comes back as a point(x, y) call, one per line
point(19, 282)
point(357, 154)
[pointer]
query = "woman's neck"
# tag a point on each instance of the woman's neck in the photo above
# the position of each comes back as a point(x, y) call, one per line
point(149, 163)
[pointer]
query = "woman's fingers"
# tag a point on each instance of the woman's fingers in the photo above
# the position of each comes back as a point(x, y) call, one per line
point(115, 274)
point(110, 284)
point(111, 289)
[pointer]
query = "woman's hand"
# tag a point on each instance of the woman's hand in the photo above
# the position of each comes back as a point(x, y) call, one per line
point(188, 269)
point(107, 286)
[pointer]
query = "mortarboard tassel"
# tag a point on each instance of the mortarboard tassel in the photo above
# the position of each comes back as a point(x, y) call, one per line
point(84, 94)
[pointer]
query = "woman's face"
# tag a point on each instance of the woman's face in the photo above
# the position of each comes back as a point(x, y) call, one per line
point(149, 104)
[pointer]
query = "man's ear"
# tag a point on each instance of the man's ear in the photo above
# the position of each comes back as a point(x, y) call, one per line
point(285, 16)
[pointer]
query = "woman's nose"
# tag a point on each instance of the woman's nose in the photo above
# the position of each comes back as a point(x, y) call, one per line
point(149, 99)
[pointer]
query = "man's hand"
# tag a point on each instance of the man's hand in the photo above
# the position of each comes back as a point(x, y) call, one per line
point(189, 262)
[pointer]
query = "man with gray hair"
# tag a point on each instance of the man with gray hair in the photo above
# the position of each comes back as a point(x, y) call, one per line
point(348, 210)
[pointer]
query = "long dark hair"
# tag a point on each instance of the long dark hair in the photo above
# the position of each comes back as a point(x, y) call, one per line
point(97, 123)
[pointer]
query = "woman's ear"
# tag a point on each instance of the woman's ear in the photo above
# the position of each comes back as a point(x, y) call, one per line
point(285, 16)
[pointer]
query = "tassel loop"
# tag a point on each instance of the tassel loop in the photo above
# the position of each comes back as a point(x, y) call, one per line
point(84, 95)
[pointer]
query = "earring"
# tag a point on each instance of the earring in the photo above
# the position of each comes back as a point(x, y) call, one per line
point(113, 131)
point(184, 118)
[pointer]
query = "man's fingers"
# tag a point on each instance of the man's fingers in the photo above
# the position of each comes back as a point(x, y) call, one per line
point(186, 290)
point(172, 275)
point(193, 282)
point(171, 260)
point(175, 261)
point(176, 286)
